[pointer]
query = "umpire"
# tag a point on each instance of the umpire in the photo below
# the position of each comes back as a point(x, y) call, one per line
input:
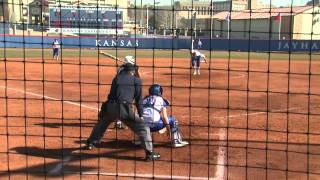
point(125, 88)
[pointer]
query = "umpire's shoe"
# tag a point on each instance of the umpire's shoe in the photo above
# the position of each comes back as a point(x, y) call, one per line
point(90, 145)
point(152, 156)
point(120, 125)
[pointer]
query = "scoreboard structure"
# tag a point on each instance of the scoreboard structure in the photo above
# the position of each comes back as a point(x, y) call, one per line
point(85, 20)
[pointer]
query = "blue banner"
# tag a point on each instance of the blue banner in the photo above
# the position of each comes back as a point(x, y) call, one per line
point(160, 43)
point(4, 28)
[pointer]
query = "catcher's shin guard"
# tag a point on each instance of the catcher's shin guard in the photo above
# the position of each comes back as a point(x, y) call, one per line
point(177, 140)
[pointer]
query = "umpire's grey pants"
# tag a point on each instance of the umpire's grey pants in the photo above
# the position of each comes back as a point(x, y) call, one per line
point(111, 111)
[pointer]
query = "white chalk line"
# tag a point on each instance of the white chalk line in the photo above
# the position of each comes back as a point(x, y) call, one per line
point(220, 169)
point(256, 113)
point(221, 156)
point(239, 76)
point(193, 116)
point(221, 160)
point(138, 175)
point(151, 73)
point(49, 97)
point(57, 169)
point(251, 114)
point(59, 166)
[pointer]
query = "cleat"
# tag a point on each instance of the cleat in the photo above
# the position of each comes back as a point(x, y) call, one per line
point(163, 130)
point(178, 143)
point(89, 146)
point(152, 156)
point(120, 125)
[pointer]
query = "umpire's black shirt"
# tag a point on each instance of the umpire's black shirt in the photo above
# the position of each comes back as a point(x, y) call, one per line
point(125, 88)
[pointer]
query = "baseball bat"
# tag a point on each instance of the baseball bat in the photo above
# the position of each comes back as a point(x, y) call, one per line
point(110, 56)
point(137, 73)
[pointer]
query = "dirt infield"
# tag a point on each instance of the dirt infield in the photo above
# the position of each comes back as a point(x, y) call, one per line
point(245, 119)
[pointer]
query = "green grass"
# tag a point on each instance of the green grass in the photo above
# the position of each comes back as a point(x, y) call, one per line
point(47, 53)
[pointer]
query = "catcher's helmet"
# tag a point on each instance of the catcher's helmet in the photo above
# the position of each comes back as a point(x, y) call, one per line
point(155, 89)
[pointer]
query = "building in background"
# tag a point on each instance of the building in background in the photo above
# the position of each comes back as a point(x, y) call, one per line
point(4, 11)
point(313, 2)
point(194, 14)
point(301, 22)
point(15, 9)
point(4, 17)
point(239, 18)
point(33, 15)
point(85, 20)
point(36, 14)
point(256, 4)
point(120, 4)
point(199, 18)
point(153, 18)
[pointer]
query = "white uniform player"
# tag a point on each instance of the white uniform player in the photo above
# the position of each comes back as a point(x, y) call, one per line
point(196, 58)
point(55, 49)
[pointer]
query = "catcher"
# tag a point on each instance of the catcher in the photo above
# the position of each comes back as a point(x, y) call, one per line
point(156, 118)
point(125, 89)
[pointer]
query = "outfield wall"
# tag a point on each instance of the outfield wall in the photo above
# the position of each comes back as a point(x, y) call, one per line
point(10, 41)
point(4, 28)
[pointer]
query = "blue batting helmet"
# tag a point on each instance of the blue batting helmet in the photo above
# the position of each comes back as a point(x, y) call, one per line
point(155, 89)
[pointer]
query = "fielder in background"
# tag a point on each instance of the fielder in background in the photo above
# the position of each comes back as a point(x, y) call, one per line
point(126, 88)
point(196, 59)
point(155, 116)
point(199, 44)
point(55, 49)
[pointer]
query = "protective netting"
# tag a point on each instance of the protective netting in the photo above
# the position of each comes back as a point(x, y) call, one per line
point(252, 111)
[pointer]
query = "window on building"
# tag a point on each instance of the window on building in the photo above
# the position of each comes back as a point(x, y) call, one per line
point(113, 24)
